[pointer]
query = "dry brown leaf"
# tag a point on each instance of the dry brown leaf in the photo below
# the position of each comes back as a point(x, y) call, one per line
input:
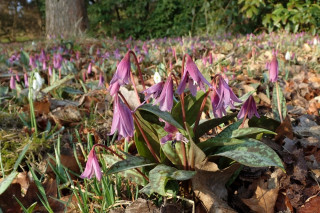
point(284, 130)
point(311, 206)
point(209, 186)
point(265, 196)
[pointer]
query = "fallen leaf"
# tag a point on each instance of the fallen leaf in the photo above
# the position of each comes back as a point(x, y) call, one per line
point(312, 205)
point(284, 130)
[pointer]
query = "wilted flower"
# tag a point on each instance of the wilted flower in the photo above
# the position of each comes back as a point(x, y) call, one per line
point(273, 69)
point(121, 75)
point(248, 109)
point(122, 119)
point(165, 99)
point(174, 134)
point(12, 83)
point(193, 77)
point(92, 166)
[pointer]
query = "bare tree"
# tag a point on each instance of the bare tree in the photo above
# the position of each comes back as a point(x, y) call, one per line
point(66, 17)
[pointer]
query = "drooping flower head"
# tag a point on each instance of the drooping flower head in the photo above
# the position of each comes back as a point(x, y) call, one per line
point(165, 99)
point(57, 61)
point(89, 68)
point(26, 81)
point(122, 119)
point(122, 74)
point(12, 83)
point(154, 91)
point(92, 166)
point(248, 109)
point(215, 99)
point(273, 68)
point(226, 95)
point(173, 134)
point(193, 77)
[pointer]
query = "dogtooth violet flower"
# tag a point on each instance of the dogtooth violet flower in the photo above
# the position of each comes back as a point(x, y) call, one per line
point(215, 99)
point(193, 77)
point(101, 80)
point(173, 134)
point(165, 100)
point(121, 75)
point(226, 95)
point(249, 109)
point(122, 119)
point(12, 83)
point(273, 68)
point(92, 166)
point(154, 91)
point(26, 81)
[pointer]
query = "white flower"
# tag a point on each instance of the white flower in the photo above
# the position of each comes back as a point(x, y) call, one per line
point(315, 41)
point(37, 82)
point(287, 57)
point(157, 78)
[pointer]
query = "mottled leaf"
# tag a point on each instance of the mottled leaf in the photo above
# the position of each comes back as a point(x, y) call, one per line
point(251, 153)
point(238, 133)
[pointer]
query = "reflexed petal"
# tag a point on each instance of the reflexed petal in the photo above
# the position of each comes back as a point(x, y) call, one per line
point(166, 138)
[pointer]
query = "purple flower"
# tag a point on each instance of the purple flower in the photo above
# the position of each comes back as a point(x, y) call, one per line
point(273, 69)
point(226, 95)
point(12, 83)
point(50, 71)
point(32, 62)
point(57, 60)
point(122, 119)
point(249, 109)
point(121, 75)
point(165, 99)
point(174, 134)
point(215, 99)
point(193, 77)
point(154, 91)
point(17, 77)
point(92, 166)
point(101, 80)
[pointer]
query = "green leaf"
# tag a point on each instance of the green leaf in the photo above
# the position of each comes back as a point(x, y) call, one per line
point(21, 156)
point(151, 135)
point(264, 122)
point(5, 183)
point(24, 58)
point(161, 174)
point(282, 102)
point(131, 162)
point(131, 174)
point(210, 124)
point(162, 114)
point(58, 83)
point(251, 153)
point(209, 145)
point(173, 153)
point(239, 133)
point(227, 132)
point(192, 106)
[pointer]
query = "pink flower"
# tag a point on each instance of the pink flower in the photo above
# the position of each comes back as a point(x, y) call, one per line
point(101, 80)
point(165, 99)
point(174, 134)
point(57, 61)
point(92, 166)
point(26, 82)
point(12, 83)
point(122, 74)
point(273, 69)
point(249, 109)
point(89, 68)
point(215, 99)
point(226, 95)
point(193, 77)
point(154, 91)
point(122, 119)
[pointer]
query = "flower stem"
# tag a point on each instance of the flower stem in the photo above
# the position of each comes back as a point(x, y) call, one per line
point(200, 112)
point(141, 130)
point(278, 102)
point(135, 87)
point(183, 146)
point(119, 156)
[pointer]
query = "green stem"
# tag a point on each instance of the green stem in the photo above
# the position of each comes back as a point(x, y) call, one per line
point(183, 147)
point(200, 112)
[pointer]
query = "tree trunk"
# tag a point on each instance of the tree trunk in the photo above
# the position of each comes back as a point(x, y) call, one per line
point(66, 17)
